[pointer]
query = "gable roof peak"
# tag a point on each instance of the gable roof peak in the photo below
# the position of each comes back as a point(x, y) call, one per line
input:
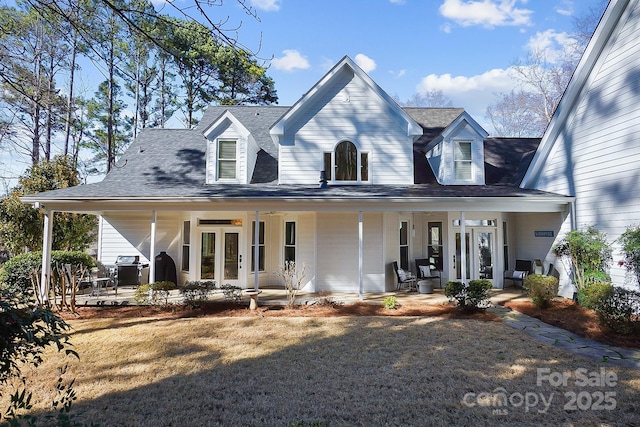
point(413, 129)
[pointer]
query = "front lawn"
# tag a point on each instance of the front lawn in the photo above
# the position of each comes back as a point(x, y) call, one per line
point(357, 371)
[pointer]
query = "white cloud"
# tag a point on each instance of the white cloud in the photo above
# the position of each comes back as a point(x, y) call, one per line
point(366, 63)
point(473, 93)
point(552, 45)
point(397, 1)
point(266, 5)
point(565, 8)
point(292, 60)
point(487, 13)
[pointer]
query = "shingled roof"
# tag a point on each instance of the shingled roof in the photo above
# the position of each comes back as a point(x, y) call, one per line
point(172, 163)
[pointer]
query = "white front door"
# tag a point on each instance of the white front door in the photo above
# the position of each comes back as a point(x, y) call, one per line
point(220, 257)
point(479, 254)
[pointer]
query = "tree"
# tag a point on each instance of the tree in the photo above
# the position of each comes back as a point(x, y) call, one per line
point(432, 98)
point(31, 55)
point(110, 134)
point(194, 51)
point(541, 79)
point(21, 225)
point(242, 80)
point(511, 115)
point(588, 253)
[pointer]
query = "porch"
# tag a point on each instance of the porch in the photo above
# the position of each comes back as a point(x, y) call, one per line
point(277, 296)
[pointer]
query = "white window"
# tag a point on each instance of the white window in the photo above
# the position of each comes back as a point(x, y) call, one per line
point(404, 245)
point(289, 241)
point(346, 164)
point(462, 161)
point(186, 244)
point(226, 159)
point(261, 247)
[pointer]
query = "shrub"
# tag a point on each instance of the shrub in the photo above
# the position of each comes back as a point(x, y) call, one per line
point(630, 242)
point(541, 289)
point(587, 250)
point(454, 291)
point(154, 293)
point(620, 310)
point(592, 295)
point(479, 293)
point(231, 293)
point(195, 292)
point(22, 272)
point(293, 280)
point(390, 303)
point(27, 332)
point(474, 296)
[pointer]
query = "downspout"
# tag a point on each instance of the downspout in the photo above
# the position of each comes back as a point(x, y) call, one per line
point(45, 274)
point(572, 215)
point(360, 257)
point(152, 249)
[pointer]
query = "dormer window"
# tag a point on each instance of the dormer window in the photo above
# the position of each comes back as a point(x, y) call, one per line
point(346, 164)
point(226, 159)
point(462, 161)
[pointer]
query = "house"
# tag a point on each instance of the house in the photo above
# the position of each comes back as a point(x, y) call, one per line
point(591, 149)
point(344, 181)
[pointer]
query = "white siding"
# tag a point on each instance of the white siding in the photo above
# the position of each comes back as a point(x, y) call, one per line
point(305, 250)
point(350, 110)
point(126, 234)
point(338, 252)
point(596, 156)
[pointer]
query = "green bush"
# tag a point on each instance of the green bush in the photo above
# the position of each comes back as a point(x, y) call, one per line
point(594, 294)
point(587, 251)
point(18, 272)
point(474, 296)
point(231, 293)
point(154, 293)
point(197, 291)
point(620, 310)
point(541, 289)
point(390, 303)
point(455, 291)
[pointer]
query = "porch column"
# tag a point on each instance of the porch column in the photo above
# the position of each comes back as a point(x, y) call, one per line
point(256, 251)
point(152, 249)
point(463, 248)
point(360, 256)
point(46, 256)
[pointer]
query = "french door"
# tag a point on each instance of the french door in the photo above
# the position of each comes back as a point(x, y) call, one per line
point(479, 251)
point(220, 258)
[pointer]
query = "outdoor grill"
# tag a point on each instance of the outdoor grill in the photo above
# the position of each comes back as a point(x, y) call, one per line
point(128, 270)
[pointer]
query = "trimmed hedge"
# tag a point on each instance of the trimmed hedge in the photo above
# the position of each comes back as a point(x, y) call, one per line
point(541, 289)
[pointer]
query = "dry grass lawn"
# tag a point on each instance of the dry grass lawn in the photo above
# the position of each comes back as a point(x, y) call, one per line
point(338, 371)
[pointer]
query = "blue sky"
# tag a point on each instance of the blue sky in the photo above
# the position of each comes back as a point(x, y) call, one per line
point(462, 47)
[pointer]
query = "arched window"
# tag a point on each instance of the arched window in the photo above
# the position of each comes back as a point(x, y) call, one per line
point(346, 164)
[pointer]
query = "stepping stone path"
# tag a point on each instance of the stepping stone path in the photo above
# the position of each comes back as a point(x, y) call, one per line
point(567, 340)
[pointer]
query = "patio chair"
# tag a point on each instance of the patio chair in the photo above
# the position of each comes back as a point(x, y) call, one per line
point(404, 277)
point(517, 275)
point(426, 269)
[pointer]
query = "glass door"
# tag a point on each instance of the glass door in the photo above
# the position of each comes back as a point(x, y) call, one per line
point(479, 255)
point(458, 256)
point(220, 257)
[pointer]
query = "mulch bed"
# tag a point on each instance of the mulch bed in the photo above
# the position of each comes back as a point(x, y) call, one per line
point(230, 309)
point(566, 314)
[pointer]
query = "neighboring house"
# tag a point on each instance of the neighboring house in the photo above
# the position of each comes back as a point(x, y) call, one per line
point(345, 181)
point(591, 149)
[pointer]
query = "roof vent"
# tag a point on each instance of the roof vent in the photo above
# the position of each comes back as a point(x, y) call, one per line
point(323, 179)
